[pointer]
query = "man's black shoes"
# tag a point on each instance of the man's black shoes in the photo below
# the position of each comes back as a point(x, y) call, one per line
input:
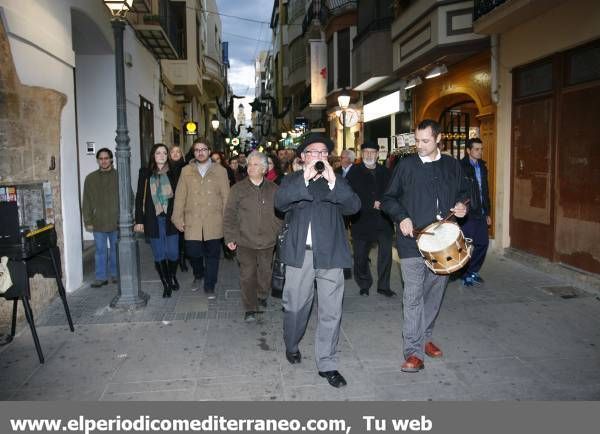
point(293, 358)
point(364, 292)
point(334, 378)
point(386, 292)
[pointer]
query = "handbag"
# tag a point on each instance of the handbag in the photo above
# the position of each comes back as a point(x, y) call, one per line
point(278, 272)
point(5, 280)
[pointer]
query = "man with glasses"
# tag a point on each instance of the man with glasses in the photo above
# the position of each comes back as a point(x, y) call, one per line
point(315, 250)
point(100, 209)
point(370, 225)
point(200, 201)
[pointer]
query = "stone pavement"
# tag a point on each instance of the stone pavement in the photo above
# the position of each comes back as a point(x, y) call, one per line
point(513, 338)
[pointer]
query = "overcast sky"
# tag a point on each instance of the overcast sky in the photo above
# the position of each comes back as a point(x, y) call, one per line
point(246, 39)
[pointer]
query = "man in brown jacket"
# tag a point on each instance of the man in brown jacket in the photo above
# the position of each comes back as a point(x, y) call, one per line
point(251, 227)
point(200, 201)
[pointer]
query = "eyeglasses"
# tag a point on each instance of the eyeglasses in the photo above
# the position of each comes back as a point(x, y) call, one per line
point(317, 153)
point(201, 150)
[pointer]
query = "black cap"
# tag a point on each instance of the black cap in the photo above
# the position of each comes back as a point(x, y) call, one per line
point(369, 145)
point(311, 138)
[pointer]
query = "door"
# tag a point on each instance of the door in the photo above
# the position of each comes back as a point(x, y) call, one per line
point(577, 240)
point(146, 130)
point(531, 228)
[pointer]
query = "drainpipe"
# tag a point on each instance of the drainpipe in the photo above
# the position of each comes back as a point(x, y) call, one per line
point(494, 68)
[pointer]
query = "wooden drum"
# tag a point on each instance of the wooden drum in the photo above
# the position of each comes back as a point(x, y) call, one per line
point(444, 247)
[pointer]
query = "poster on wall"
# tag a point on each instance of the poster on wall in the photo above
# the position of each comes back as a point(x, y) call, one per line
point(392, 144)
point(318, 72)
point(383, 147)
point(474, 133)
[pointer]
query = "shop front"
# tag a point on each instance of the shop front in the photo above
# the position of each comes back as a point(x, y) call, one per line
point(461, 101)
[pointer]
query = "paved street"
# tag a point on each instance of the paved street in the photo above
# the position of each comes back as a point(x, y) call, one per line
point(510, 339)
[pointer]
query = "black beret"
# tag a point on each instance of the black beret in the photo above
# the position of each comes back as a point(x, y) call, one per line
point(369, 145)
point(311, 138)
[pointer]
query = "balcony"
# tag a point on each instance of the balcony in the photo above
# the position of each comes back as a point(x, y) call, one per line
point(498, 16)
point(213, 79)
point(153, 34)
point(316, 11)
point(337, 7)
point(431, 30)
point(323, 10)
point(370, 55)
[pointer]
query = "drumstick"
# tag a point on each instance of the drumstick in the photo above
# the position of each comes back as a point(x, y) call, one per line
point(466, 202)
point(415, 232)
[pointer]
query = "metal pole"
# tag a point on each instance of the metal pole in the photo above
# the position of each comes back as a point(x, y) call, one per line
point(344, 129)
point(130, 295)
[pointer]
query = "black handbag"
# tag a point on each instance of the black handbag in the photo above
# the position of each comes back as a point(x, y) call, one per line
point(278, 272)
point(277, 277)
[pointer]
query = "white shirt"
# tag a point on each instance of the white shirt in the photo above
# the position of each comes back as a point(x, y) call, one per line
point(427, 159)
point(309, 233)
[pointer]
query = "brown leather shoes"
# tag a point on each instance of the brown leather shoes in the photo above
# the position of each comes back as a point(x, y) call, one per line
point(432, 350)
point(412, 364)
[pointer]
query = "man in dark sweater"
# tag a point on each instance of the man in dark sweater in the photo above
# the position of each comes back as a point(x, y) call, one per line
point(475, 225)
point(370, 225)
point(424, 188)
point(100, 209)
point(315, 249)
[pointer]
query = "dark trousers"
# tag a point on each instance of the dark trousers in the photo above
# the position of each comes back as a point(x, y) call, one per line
point(362, 268)
point(477, 230)
point(204, 257)
point(255, 275)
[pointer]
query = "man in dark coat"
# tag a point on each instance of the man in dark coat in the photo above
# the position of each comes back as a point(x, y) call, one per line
point(315, 249)
point(475, 225)
point(424, 188)
point(370, 225)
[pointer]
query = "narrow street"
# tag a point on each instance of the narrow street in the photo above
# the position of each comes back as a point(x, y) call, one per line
point(509, 339)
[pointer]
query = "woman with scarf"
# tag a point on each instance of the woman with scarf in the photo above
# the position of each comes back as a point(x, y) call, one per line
point(153, 209)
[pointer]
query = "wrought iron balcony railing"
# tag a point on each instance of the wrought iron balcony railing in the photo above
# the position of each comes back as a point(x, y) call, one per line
point(482, 7)
point(381, 24)
point(324, 9)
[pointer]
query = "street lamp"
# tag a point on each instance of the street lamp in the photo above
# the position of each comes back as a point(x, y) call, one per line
point(215, 123)
point(130, 295)
point(344, 102)
point(215, 126)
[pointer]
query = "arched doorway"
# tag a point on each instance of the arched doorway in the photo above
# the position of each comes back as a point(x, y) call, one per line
point(95, 100)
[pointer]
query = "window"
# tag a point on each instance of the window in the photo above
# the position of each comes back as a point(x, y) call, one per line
point(198, 42)
point(330, 67)
point(297, 54)
point(177, 33)
point(535, 79)
point(583, 64)
point(343, 46)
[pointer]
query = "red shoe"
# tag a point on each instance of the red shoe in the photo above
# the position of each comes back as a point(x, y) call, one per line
point(432, 351)
point(412, 364)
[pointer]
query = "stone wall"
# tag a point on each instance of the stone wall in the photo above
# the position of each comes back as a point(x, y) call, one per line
point(29, 141)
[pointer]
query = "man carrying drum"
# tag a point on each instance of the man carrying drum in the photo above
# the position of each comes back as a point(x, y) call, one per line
point(424, 188)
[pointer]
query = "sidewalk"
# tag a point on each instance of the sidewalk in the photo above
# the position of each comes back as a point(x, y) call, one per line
point(510, 339)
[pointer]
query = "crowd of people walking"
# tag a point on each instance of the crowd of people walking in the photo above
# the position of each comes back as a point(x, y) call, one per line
point(309, 206)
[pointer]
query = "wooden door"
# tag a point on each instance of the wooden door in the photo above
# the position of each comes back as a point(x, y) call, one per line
point(532, 162)
point(532, 220)
point(577, 240)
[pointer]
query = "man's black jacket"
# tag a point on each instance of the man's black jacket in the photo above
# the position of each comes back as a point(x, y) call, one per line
point(422, 191)
point(477, 208)
point(324, 210)
point(369, 185)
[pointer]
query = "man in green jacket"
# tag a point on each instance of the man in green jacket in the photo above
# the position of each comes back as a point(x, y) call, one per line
point(100, 210)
